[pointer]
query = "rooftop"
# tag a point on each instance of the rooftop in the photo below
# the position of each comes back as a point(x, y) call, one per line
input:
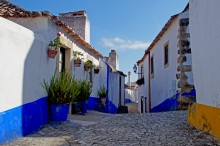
point(7, 9)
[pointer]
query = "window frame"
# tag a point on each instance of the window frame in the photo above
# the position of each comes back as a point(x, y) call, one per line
point(142, 71)
point(152, 65)
point(166, 54)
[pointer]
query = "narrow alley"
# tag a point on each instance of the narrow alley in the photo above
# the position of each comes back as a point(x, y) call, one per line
point(78, 72)
point(168, 128)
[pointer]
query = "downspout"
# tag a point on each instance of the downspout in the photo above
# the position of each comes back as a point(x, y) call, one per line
point(149, 91)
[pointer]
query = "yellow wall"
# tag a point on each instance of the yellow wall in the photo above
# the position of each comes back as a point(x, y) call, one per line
point(205, 118)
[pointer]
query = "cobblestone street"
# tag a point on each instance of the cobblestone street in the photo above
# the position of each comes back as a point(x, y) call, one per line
point(95, 128)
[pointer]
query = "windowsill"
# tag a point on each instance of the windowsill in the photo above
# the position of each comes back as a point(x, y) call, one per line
point(165, 66)
point(152, 75)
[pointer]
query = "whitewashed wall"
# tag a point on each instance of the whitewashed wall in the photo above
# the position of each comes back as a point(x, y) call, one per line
point(103, 74)
point(143, 89)
point(47, 28)
point(164, 83)
point(122, 90)
point(80, 73)
point(131, 94)
point(114, 88)
point(24, 64)
point(205, 31)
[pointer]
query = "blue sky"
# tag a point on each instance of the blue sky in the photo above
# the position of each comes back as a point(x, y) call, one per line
point(128, 26)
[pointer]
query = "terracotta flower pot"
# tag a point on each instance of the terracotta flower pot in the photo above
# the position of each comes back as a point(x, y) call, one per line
point(102, 100)
point(52, 53)
point(77, 62)
point(96, 70)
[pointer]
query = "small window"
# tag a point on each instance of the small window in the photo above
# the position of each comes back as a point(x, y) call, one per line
point(142, 71)
point(166, 55)
point(152, 67)
point(62, 60)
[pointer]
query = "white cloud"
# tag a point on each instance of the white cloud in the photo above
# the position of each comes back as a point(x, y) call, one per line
point(122, 44)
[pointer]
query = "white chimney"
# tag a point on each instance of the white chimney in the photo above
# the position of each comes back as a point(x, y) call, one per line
point(79, 22)
point(113, 59)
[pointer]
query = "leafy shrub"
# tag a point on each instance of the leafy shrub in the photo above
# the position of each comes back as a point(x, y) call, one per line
point(85, 89)
point(61, 89)
point(102, 91)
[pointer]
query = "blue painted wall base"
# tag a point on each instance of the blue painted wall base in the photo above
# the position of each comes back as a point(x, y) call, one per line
point(94, 104)
point(171, 103)
point(127, 100)
point(23, 120)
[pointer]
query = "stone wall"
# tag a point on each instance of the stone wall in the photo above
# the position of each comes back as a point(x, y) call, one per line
point(184, 77)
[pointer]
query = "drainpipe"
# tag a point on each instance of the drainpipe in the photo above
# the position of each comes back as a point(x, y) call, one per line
point(149, 91)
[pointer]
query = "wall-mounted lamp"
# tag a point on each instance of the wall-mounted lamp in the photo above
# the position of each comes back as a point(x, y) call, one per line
point(135, 69)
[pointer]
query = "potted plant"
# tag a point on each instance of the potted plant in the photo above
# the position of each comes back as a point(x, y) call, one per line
point(54, 45)
point(102, 92)
point(88, 65)
point(77, 58)
point(96, 69)
point(85, 89)
point(62, 90)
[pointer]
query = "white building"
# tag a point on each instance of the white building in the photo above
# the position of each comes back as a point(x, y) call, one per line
point(131, 92)
point(114, 82)
point(205, 35)
point(165, 77)
point(24, 41)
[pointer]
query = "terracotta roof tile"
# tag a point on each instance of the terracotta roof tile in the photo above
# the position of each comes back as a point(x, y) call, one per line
point(158, 37)
point(7, 9)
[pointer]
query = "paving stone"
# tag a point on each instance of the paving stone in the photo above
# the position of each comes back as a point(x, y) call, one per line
point(167, 128)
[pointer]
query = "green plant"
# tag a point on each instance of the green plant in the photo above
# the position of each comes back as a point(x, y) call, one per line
point(55, 43)
point(89, 64)
point(61, 89)
point(85, 89)
point(102, 91)
point(77, 55)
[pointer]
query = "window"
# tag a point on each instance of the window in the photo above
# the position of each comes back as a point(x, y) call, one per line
point(166, 55)
point(62, 60)
point(142, 71)
point(152, 67)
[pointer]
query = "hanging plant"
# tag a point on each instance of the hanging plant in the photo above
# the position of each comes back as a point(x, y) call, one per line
point(88, 65)
point(77, 58)
point(96, 69)
point(53, 47)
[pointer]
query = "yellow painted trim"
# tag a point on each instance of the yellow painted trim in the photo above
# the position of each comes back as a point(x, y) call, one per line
point(205, 118)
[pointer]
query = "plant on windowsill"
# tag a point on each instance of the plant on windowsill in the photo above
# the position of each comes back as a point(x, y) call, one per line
point(54, 46)
point(96, 69)
point(88, 65)
point(77, 58)
point(62, 90)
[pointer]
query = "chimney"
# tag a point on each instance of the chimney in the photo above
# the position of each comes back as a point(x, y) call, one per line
point(79, 22)
point(113, 59)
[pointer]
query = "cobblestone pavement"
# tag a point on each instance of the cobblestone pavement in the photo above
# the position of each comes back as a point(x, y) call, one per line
point(169, 128)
